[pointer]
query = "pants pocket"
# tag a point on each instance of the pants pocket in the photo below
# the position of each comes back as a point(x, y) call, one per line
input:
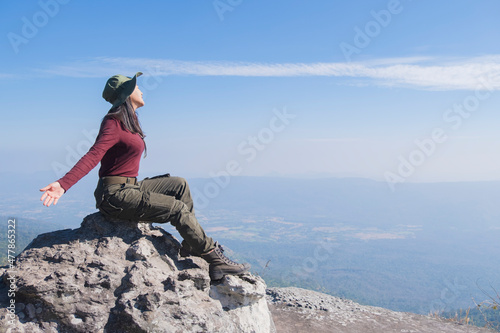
point(155, 207)
point(106, 200)
point(109, 209)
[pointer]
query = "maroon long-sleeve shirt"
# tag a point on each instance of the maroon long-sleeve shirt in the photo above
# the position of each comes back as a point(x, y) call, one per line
point(118, 150)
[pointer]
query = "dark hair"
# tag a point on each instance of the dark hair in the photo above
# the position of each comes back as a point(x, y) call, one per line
point(128, 118)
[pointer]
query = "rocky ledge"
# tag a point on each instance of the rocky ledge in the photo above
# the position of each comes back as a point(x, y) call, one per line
point(300, 310)
point(120, 276)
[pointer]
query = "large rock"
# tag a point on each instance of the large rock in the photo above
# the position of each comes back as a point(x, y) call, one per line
point(119, 276)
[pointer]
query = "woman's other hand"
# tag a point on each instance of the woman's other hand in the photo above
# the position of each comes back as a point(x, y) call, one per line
point(52, 193)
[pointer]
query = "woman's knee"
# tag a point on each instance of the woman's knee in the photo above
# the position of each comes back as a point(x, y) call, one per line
point(174, 186)
point(180, 182)
point(183, 191)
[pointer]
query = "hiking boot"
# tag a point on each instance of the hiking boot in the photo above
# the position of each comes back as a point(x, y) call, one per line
point(221, 265)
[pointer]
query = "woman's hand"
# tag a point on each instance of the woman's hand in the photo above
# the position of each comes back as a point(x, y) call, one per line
point(52, 193)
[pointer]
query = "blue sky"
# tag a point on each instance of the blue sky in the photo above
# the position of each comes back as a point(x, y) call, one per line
point(366, 89)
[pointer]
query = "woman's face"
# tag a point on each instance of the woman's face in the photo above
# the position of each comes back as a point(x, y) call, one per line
point(136, 98)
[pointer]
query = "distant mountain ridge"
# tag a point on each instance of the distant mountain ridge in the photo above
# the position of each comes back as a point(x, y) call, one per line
point(358, 200)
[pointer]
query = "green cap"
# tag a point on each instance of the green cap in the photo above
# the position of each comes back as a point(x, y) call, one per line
point(119, 88)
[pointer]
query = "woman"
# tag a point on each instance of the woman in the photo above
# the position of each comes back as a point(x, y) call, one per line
point(119, 146)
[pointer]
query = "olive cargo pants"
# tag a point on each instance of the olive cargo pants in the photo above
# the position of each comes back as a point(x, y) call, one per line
point(159, 199)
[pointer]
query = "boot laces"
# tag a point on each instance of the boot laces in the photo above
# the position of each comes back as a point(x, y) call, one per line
point(224, 258)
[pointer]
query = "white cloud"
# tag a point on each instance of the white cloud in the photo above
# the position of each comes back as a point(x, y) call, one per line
point(411, 72)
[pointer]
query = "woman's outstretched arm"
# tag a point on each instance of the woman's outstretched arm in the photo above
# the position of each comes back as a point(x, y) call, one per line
point(52, 193)
point(108, 136)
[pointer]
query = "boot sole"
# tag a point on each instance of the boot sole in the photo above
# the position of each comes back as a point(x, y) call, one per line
point(220, 275)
